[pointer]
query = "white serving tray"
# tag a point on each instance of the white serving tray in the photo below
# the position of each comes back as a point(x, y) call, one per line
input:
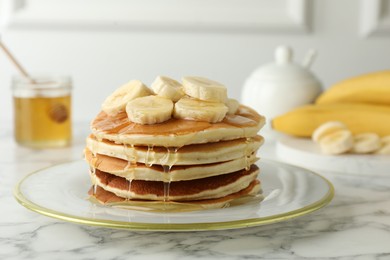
point(305, 153)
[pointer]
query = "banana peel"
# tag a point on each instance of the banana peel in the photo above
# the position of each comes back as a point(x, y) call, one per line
point(358, 117)
point(371, 88)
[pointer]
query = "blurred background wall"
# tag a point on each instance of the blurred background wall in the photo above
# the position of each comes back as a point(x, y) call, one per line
point(102, 44)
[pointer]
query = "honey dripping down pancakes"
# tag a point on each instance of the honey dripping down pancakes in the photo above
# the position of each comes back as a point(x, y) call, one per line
point(176, 146)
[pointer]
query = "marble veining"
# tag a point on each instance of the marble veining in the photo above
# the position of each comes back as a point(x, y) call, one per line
point(356, 225)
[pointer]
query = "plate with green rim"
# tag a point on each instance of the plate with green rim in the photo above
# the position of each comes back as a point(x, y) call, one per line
point(60, 192)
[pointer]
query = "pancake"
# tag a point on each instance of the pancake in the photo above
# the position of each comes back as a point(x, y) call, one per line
point(177, 132)
point(151, 151)
point(249, 194)
point(194, 154)
point(140, 171)
point(198, 189)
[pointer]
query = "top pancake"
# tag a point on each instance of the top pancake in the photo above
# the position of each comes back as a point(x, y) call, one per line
point(177, 132)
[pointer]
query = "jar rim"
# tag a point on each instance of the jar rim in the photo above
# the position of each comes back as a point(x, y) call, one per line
point(42, 82)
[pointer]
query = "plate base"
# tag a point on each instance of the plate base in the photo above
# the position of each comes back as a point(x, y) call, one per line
point(61, 192)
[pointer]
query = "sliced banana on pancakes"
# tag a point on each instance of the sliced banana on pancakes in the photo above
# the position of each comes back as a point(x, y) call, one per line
point(149, 110)
point(232, 105)
point(117, 101)
point(199, 110)
point(206, 101)
point(168, 88)
point(204, 89)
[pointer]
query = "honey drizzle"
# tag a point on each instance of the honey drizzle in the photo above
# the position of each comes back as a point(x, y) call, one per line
point(131, 157)
point(128, 197)
point(148, 162)
point(245, 117)
point(247, 152)
point(93, 165)
point(169, 161)
point(92, 172)
point(167, 185)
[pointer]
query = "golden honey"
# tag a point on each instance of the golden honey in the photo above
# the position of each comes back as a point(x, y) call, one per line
point(42, 114)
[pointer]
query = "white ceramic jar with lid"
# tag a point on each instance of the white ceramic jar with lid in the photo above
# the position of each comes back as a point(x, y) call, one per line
point(278, 87)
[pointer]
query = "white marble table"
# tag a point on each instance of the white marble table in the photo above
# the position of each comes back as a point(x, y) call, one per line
point(356, 225)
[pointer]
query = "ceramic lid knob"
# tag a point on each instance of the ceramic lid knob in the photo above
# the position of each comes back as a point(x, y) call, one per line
point(283, 55)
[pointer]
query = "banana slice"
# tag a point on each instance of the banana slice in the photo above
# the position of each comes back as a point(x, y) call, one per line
point(168, 88)
point(337, 142)
point(366, 143)
point(327, 128)
point(149, 110)
point(385, 139)
point(199, 110)
point(204, 89)
point(385, 145)
point(232, 105)
point(116, 102)
point(385, 149)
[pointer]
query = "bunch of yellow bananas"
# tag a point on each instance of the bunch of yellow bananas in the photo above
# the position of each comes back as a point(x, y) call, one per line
point(361, 103)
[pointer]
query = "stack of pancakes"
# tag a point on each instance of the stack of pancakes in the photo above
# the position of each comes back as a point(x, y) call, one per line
point(183, 161)
point(178, 161)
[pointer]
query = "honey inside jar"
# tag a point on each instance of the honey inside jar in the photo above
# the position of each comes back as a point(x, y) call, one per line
point(42, 113)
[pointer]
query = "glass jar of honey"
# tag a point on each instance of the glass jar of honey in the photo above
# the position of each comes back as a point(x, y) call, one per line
point(42, 111)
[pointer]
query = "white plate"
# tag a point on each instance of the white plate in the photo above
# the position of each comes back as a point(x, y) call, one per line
point(305, 153)
point(61, 192)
